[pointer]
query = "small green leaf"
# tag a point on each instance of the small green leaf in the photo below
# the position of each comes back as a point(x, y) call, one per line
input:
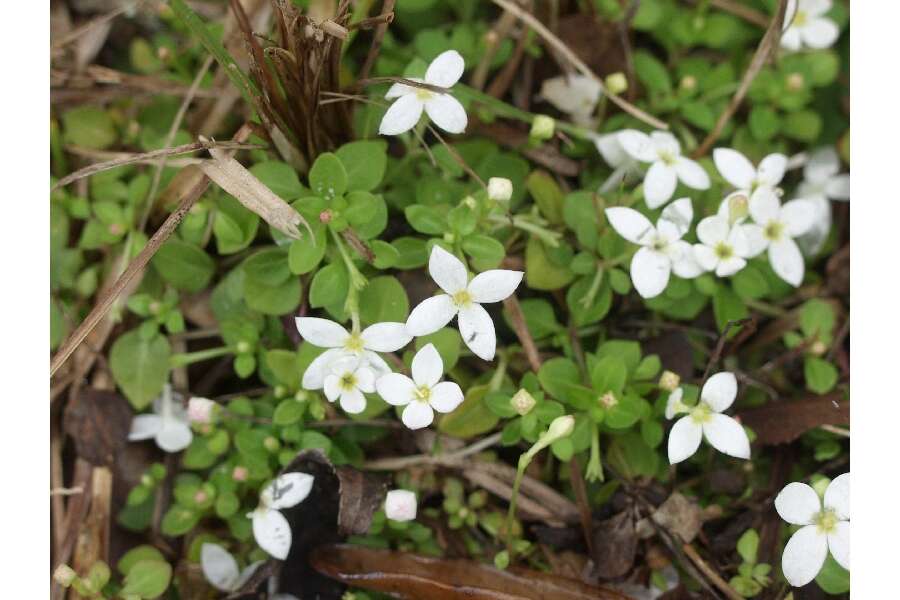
point(365, 162)
point(147, 579)
point(329, 286)
point(140, 366)
point(821, 375)
point(184, 265)
point(383, 299)
point(470, 418)
point(328, 178)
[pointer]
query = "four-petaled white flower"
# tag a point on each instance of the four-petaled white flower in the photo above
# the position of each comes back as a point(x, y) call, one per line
point(774, 229)
point(663, 251)
point(723, 248)
point(824, 526)
point(380, 337)
point(221, 569)
point(706, 420)
point(805, 25)
point(442, 108)
point(270, 527)
point(740, 172)
point(822, 181)
point(464, 298)
point(574, 94)
point(169, 426)
point(421, 395)
point(348, 380)
point(667, 165)
point(400, 505)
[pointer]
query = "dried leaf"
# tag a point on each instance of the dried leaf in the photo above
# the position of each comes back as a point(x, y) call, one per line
point(98, 421)
point(615, 544)
point(784, 422)
point(677, 515)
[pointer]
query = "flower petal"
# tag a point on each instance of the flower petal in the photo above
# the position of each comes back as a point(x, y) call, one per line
point(272, 533)
point(804, 555)
point(321, 332)
point(247, 573)
point(395, 388)
point(706, 257)
point(756, 241)
point(402, 115)
point(819, 33)
point(712, 230)
point(447, 113)
point(812, 241)
point(219, 567)
point(822, 164)
point(417, 415)
point(839, 544)
point(400, 505)
point(659, 184)
point(730, 266)
point(650, 272)
point(289, 489)
point(385, 337)
point(365, 380)
point(332, 387)
point(376, 363)
point(837, 496)
point(445, 397)
point(786, 261)
point(684, 439)
point(430, 315)
point(838, 187)
point(680, 213)
point(611, 150)
point(719, 391)
point(174, 436)
point(799, 216)
point(672, 402)
point(683, 263)
point(692, 174)
point(353, 402)
point(144, 427)
point(427, 366)
point(318, 369)
point(790, 39)
point(816, 8)
point(401, 89)
point(630, 224)
point(771, 169)
point(764, 206)
point(665, 142)
point(734, 167)
point(798, 503)
point(637, 145)
point(477, 330)
point(447, 271)
point(494, 285)
point(446, 69)
point(727, 436)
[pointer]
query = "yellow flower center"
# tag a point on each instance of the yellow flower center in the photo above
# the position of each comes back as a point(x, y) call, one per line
point(800, 18)
point(423, 94)
point(701, 413)
point(462, 298)
point(348, 381)
point(826, 521)
point(723, 251)
point(354, 343)
point(773, 231)
point(423, 393)
point(667, 157)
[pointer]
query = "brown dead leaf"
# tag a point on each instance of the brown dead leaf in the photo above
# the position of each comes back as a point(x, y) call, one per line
point(784, 422)
point(98, 421)
point(615, 544)
point(678, 515)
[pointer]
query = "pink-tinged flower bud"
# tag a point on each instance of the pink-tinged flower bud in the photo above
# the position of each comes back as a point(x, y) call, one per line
point(200, 497)
point(239, 474)
point(200, 410)
point(400, 505)
point(325, 216)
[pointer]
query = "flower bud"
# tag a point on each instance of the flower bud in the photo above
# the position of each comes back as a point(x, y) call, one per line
point(818, 348)
point(200, 497)
point(688, 83)
point(738, 208)
point(795, 82)
point(560, 427)
point(64, 575)
point(608, 400)
point(271, 444)
point(200, 410)
point(522, 402)
point(470, 202)
point(669, 381)
point(325, 216)
point(400, 505)
point(500, 189)
point(239, 474)
point(616, 83)
point(542, 127)
point(243, 347)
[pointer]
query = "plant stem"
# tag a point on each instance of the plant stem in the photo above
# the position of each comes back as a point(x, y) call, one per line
point(189, 358)
point(357, 282)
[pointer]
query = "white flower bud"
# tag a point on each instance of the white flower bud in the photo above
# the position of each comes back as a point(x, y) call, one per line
point(608, 400)
point(560, 427)
point(64, 575)
point(200, 410)
point(616, 83)
point(738, 207)
point(400, 505)
point(522, 402)
point(542, 127)
point(669, 381)
point(500, 189)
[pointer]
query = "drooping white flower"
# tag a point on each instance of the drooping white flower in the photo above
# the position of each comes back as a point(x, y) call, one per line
point(822, 182)
point(723, 248)
point(574, 94)
point(663, 250)
point(706, 420)
point(380, 337)
point(270, 527)
point(200, 410)
point(667, 166)
point(348, 380)
point(421, 395)
point(400, 505)
point(805, 25)
point(774, 229)
point(221, 569)
point(464, 298)
point(740, 172)
point(442, 108)
point(825, 527)
point(169, 426)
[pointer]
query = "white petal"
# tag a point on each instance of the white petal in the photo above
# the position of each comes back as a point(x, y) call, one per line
point(427, 366)
point(799, 216)
point(837, 496)
point(816, 8)
point(819, 33)
point(672, 402)
point(804, 555)
point(494, 285)
point(272, 532)
point(683, 262)
point(365, 380)
point(771, 169)
point(447, 271)
point(402, 115)
point(739, 242)
point(445, 397)
point(314, 376)
point(838, 187)
point(353, 402)
point(332, 387)
point(812, 241)
point(385, 337)
point(289, 489)
point(839, 544)
point(401, 89)
point(447, 113)
point(417, 415)
point(680, 213)
point(706, 257)
point(321, 332)
point(247, 573)
point(400, 505)
point(730, 266)
point(727, 436)
point(430, 315)
point(692, 174)
point(376, 363)
point(764, 206)
point(757, 242)
point(630, 224)
point(665, 142)
point(790, 39)
point(659, 184)
point(822, 164)
point(144, 427)
point(734, 167)
point(219, 567)
point(395, 388)
point(798, 503)
point(786, 261)
point(684, 439)
point(720, 391)
point(637, 145)
point(446, 69)
point(477, 331)
point(650, 272)
point(712, 230)
point(611, 150)
point(174, 436)
point(668, 231)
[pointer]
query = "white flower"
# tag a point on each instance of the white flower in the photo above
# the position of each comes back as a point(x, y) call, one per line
point(221, 569)
point(200, 410)
point(442, 108)
point(723, 248)
point(574, 94)
point(667, 166)
point(825, 526)
point(380, 337)
point(463, 297)
point(706, 419)
point(806, 26)
point(740, 172)
point(421, 395)
point(663, 250)
point(348, 380)
point(499, 189)
point(169, 426)
point(400, 505)
point(822, 182)
point(775, 228)
point(610, 148)
point(674, 404)
point(270, 527)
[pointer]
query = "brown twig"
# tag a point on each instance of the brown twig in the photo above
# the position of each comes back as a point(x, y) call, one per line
point(386, 7)
point(517, 317)
point(742, 11)
point(720, 346)
point(710, 573)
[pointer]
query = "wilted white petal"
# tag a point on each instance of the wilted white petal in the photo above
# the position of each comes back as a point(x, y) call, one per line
point(494, 285)
point(680, 213)
point(684, 439)
point(430, 315)
point(771, 169)
point(786, 261)
point(838, 187)
point(427, 366)
point(819, 33)
point(798, 503)
point(447, 271)
point(727, 436)
point(692, 174)
point(321, 332)
point(219, 567)
point(445, 397)
point(395, 388)
point(385, 337)
point(804, 555)
point(812, 241)
point(650, 272)
point(712, 230)
point(477, 331)
point(734, 167)
point(272, 532)
point(720, 391)
point(314, 376)
point(144, 427)
point(447, 113)
point(630, 224)
point(798, 216)
point(446, 69)
point(289, 489)
point(837, 496)
point(174, 436)
point(417, 415)
point(659, 184)
point(353, 402)
point(637, 144)
point(402, 115)
point(400, 505)
point(764, 205)
point(839, 544)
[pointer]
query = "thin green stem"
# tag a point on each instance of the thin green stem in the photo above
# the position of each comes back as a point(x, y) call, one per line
point(357, 282)
point(189, 358)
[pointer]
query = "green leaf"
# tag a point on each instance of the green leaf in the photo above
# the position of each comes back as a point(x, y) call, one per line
point(833, 578)
point(560, 378)
point(485, 250)
point(540, 317)
point(817, 320)
point(802, 125)
point(283, 364)
point(385, 255)
point(748, 545)
point(821, 376)
point(305, 254)
point(184, 265)
point(470, 418)
point(764, 122)
point(89, 127)
point(137, 554)
point(425, 219)
point(267, 267)
point(274, 300)
point(540, 272)
point(625, 413)
point(365, 162)
point(147, 579)
point(547, 194)
point(728, 307)
point(279, 177)
point(328, 178)
point(288, 412)
point(750, 283)
point(631, 456)
point(626, 350)
point(383, 300)
point(609, 375)
point(140, 366)
point(330, 285)
point(652, 73)
point(235, 226)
